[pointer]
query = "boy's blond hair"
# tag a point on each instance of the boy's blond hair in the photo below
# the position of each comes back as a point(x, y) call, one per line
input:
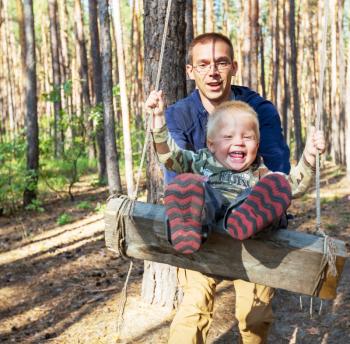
point(232, 107)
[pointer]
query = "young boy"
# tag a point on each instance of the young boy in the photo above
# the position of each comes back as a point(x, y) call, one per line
point(222, 173)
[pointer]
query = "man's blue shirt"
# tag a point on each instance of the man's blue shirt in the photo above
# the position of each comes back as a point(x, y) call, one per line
point(187, 124)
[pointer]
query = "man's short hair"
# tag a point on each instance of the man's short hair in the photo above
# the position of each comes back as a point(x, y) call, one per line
point(228, 108)
point(208, 37)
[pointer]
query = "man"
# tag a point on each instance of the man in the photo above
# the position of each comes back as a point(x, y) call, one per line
point(211, 65)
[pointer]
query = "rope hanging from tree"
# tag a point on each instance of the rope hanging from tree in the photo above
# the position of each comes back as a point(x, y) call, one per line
point(328, 261)
point(128, 204)
point(329, 246)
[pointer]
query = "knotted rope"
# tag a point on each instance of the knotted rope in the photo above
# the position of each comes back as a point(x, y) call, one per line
point(329, 245)
point(328, 261)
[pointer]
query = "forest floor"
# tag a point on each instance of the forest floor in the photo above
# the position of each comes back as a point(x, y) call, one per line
point(59, 284)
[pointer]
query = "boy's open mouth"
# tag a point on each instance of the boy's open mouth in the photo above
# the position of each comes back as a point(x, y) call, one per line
point(237, 155)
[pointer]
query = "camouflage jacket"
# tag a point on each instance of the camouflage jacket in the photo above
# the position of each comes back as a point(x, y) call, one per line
point(229, 182)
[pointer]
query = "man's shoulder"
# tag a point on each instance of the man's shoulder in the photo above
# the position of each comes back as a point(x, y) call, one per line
point(261, 105)
point(189, 103)
point(247, 95)
point(185, 112)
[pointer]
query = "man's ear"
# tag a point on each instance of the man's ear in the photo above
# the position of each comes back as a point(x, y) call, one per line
point(234, 68)
point(189, 70)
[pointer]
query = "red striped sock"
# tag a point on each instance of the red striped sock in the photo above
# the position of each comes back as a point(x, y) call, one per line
point(269, 199)
point(184, 202)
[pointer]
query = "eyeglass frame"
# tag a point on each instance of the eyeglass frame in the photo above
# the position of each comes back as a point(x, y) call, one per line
point(208, 67)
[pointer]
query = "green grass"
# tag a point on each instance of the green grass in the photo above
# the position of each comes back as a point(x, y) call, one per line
point(64, 219)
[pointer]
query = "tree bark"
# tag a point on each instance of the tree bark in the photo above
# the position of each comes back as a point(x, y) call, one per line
point(114, 182)
point(97, 88)
point(32, 130)
point(156, 288)
point(123, 100)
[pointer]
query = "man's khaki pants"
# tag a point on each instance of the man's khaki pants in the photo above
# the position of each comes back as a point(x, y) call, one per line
point(193, 318)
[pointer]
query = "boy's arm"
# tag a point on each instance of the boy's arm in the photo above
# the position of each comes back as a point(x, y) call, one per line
point(173, 158)
point(169, 154)
point(301, 176)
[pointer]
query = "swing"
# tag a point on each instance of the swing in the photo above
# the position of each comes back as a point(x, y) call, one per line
point(285, 259)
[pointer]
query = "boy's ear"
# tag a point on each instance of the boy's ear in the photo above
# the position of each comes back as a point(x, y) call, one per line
point(210, 145)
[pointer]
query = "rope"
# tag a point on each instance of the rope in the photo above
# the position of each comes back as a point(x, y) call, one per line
point(125, 210)
point(149, 117)
point(329, 245)
point(329, 248)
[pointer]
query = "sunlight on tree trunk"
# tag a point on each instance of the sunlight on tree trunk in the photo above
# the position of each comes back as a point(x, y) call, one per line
point(129, 176)
point(113, 175)
point(32, 129)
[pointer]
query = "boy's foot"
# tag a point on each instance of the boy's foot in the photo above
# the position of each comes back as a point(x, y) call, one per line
point(268, 200)
point(184, 202)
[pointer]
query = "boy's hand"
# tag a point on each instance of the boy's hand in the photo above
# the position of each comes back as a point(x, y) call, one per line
point(315, 142)
point(155, 103)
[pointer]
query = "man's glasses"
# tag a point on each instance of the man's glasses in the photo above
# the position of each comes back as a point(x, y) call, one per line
point(204, 68)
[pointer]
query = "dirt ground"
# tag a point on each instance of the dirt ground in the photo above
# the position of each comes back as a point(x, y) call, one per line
point(59, 284)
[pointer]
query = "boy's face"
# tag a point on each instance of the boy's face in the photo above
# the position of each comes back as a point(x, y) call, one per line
point(235, 144)
point(212, 69)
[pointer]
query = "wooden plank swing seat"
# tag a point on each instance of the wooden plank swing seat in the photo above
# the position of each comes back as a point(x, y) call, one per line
point(283, 259)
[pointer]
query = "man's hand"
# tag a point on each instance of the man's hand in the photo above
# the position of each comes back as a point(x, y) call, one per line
point(315, 142)
point(155, 103)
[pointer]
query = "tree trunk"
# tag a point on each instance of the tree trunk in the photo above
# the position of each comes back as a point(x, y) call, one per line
point(189, 37)
point(9, 84)
point(204, 15)
point(21, 34)
point(84, 75)
point(347, 115)
point(342, 81)
point(97, 88)
point(159, 281)
point(262, 64)
point(295, 95)
point(123, 100)
point(32, 130)
point(56, 76)
point(286, 64)
point(276, 52)
point(245, 68)
point(250, 43)
point(334, 85)
point(254, 43)
point(66, 72)
point(113, 175)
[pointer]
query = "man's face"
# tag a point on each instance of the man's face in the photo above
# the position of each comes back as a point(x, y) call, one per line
point(236, 144)
point(212, 69)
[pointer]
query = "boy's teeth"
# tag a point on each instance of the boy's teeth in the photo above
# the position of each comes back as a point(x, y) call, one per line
point(237, 154)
